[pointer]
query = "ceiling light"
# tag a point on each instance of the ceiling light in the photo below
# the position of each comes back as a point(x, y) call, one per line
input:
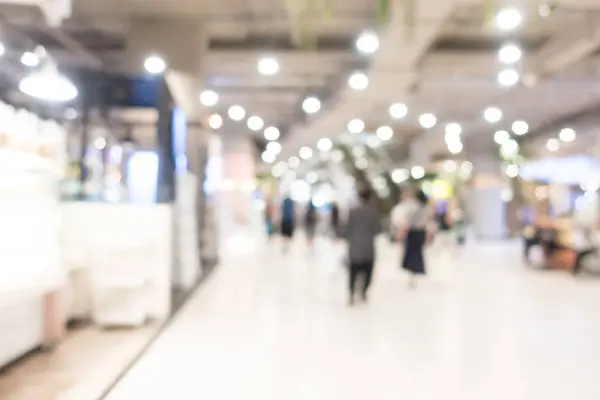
point(508, 77)
point(427, 120)
point(273, 148)
point(337, 156)
point(567, 135)
point(268, 66)
point(100, 143)
point(398, 110)
point(255, 123)
point(271, 133)
point(311, 105)
point(215, 121)
point(400, 175)
point(510, 149)
point(510, 54)
point(520, 128)
point(367, 43)
point(305, 153)
point(324, 145)
point(501, 137)
point(356, 126)
point(153, 64)
point(279, 169)
point(450, 166)
point(236, 113)
point(553, 145)
point(48, 85)
point(492, 115)
point(294, 162)
point(209, 98)
point(455, 147)
point(373, 141)
point(385, 133)
point(417, 172)
point(544, 10)
point(453, 129)
point(508, 19)
point(358, 81)
point(30, 59)
point(268, 157)
point(312, 178)
point(2, 49)
point(512, 170)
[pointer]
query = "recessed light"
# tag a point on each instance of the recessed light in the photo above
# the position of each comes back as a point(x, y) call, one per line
point(268, 157)
point(520, 127)
point(356, 126)
point(492, 115)
point(385, 133)
point(268, 66)
point(553, 145)
point(501, 137)
point(509, 54)
point(311, 105)
point(236, 113)
point(508, 77)
point(324, 145)
point(273, 148)
point(30, 59)
point(215, 121)
point(509, 19)
point(305, 153)
point(358, 81)
point(427, 120)
point(567, 135)
point(294, 162)
point(367, 43)
point(100, 143)
point(453, 129)
point(398, 110)
point(255, 123)
point(209, 98)
point(271, 133)
point(417, 172)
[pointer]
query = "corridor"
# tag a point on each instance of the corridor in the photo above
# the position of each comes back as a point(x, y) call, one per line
point(273, 326)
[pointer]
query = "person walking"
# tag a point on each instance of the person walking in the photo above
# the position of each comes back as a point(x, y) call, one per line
point(335, 220)
point(363, 226)
point(415, 235)
point(288, 222)
point(310, 223)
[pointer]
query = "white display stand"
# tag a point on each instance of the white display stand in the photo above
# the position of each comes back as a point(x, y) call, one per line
point(127, 250)
point(31, 164)
point(188, 255)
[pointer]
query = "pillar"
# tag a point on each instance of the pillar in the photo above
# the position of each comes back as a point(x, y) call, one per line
point(487, 210)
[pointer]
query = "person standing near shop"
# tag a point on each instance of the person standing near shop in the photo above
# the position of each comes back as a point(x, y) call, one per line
point(415, 235)
point(335, 220)
point(363, 226)
point(288, 221)
point(310, 223)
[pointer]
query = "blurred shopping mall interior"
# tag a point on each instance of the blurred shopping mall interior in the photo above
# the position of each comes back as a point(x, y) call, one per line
point(151, 152)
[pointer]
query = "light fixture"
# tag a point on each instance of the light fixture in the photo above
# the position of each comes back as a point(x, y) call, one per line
point(279, 169)
point(236, 113)
point(508, 77)
point(509, 149)
point(268, 66)
point(501, 137)
point(553, 145)
point(367, 43)
point(385, 133)
point(512, 171)
point(215, 121)
point(312, 178)
point(455, 147)
point(417, 172)
point(30, 59)
point(450, 166)
point(358, 81)
point(48, 85)
point(492, 115)
point(508, 19)
point(324, 145)
point(453, 130)
point(2, 49)
point(273, 148)
point(520, 127)
point(311, 105)
point(356, 126)
point(305, 153)
point(294, 162)
point(427, 120)
point(567, 135)
point(268, 157)
point(154, 64)
point(271, 133)
point(400, 175)
point(398, 110)
point(100, 143)
point(209, 98)
point(255, 123)
point(509, 54)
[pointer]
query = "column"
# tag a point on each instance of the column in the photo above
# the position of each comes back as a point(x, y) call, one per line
point(486, 207)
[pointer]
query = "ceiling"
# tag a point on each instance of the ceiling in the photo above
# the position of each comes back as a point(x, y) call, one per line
point(439, 57)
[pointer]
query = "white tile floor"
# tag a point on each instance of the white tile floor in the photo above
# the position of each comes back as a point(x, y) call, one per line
point(268, 326)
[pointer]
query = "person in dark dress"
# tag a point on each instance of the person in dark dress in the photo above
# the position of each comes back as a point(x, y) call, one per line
point(335, 220)
point(288, 221)
point(415, 236)
point(363, 226)
point(310, 223)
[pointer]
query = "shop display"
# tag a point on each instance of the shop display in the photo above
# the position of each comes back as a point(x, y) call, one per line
point(32, 161)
